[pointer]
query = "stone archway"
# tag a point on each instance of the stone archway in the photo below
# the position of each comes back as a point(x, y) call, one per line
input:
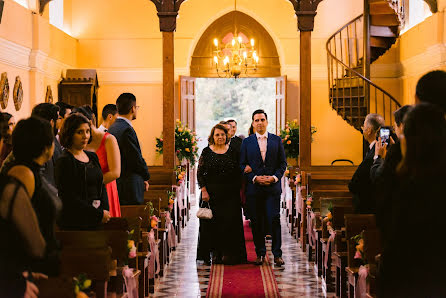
point(202, 64)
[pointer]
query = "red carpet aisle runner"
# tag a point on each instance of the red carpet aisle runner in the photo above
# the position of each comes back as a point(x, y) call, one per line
point(247, 280)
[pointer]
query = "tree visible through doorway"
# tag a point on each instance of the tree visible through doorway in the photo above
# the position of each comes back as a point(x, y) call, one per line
point(222, 99)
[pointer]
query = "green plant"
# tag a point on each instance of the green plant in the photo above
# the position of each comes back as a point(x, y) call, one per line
point(81, 284)
point(290, 138)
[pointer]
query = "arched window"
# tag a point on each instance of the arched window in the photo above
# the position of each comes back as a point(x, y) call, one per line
point(416, 13)
point(56, 13)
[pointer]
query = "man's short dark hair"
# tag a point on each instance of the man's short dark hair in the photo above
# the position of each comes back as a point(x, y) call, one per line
point(125, 103)
point(223, 122)
point(30, 138)
point(232, 120)
point(63, 106)
point(47, 111)
point(69, 127)
point(221, 127)
point(400, 113)
point(87, 112)
point(109, 109)
point(431, 88)
point(260, 111)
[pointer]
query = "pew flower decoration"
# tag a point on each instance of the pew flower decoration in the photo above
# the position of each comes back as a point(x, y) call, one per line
point(180, 174)
point(298, 180)
point(81, 284)
point(359, 254)
point(185, 143)
point(309, 200)
point(154, 221)
point(149, 208)
point(290, 138)
point(171, 196)
point(131, 248)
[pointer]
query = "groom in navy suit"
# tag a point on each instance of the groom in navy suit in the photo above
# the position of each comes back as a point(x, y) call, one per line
point(262, 159)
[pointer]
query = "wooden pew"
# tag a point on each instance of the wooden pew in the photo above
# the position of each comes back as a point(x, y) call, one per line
point(372, 252)
point(354, 225)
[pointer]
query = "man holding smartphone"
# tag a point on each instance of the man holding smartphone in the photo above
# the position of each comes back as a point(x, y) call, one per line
point(361, 186)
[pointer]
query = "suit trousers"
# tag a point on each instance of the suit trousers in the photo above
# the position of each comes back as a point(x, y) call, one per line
point(264, 211)
point(131, 190)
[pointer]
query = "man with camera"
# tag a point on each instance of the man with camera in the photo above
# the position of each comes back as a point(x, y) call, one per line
point(361, 185)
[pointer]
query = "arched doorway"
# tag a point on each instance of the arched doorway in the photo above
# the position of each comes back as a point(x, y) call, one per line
point(202, 66)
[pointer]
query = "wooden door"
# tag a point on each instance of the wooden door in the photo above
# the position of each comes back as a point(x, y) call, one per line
point(187, 117)
point(187, 101)
point(280, 103)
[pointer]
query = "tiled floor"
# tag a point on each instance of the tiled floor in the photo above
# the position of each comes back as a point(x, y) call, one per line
point(185, 277)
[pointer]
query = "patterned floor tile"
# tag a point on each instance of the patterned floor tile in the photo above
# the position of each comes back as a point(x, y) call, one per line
point(185, 277)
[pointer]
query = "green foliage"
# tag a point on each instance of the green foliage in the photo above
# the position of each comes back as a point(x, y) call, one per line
point(219, 99)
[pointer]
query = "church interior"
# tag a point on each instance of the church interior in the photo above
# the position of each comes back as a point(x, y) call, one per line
point(334, 63)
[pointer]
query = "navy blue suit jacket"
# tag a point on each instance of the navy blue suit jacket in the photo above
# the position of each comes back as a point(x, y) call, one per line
point(134, 170)
point(274, 164)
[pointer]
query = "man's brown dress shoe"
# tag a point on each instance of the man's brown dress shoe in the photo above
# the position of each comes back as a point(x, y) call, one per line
point(259, 260)
point(279, 261)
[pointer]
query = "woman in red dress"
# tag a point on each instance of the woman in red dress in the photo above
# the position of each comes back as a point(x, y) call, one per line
point(107, 150)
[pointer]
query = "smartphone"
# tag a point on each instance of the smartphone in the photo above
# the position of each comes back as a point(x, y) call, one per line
point(384, 134)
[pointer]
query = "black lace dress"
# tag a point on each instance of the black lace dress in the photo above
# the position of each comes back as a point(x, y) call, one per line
point(222, 235)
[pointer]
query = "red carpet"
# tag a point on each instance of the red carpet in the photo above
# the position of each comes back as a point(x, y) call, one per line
point(246, 280)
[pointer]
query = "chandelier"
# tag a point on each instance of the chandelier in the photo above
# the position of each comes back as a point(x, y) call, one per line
point(236, 57)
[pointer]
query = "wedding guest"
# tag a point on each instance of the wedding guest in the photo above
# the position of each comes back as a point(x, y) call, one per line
point(431, 88)
point(107, 149)
point(109, 115)
point(134, 179)
point(361, 185)
point(8, 126)
point(393, 154)
point(33, 147)
point(219, 180)
point(79, 178)
point(415, 192)
point(235, 140)
point(18, 226)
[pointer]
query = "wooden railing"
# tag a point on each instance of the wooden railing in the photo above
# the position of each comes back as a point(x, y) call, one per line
point(352, 94)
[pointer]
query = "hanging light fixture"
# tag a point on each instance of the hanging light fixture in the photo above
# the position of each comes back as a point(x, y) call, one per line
point(237, 57)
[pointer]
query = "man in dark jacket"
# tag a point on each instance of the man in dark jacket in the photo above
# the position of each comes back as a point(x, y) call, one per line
point(135, 175)
point(361, 185)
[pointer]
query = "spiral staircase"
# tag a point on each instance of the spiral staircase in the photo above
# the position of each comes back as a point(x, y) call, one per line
point(351, 50)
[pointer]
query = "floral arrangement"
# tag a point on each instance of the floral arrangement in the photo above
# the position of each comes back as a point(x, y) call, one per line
point(329, 217)
point(81, 284)
point(131, 248)
point(290, 138)
point(359, 254)
point(298, 180)
point(171, 196)
point(153, 219)
point(185, 143)
point(309, 200)
point(180, 174)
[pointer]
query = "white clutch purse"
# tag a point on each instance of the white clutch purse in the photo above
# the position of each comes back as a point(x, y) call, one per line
point(204, 212)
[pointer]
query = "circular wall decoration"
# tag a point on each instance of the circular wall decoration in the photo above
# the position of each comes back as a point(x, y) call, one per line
point(49, 94)
point(4, 89)
point(17, 94)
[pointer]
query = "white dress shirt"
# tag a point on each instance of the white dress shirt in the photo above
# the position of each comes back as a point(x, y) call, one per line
point(263, 142)
point(102, 128)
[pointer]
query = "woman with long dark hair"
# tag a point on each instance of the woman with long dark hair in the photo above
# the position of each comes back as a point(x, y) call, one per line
point(411, 264)
point(79, 178)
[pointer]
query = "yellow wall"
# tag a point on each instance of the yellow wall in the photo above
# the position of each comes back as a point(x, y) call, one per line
point(35, 51)
point(124, 44)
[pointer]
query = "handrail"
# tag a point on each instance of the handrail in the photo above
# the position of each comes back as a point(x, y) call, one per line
point(351, 92)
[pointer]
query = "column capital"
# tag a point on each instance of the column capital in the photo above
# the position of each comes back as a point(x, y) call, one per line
point(167, 13)
point(305, 11)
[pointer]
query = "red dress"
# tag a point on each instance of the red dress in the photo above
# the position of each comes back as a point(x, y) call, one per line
point(112, 190)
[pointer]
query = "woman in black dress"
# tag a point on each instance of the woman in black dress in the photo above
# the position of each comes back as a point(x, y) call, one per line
point(79, 178)
point(219, 180)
